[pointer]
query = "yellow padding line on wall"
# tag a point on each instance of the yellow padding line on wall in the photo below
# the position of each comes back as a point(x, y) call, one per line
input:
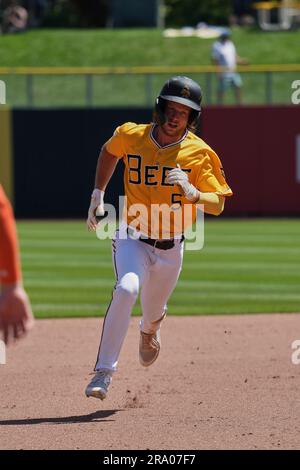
point(6, 157)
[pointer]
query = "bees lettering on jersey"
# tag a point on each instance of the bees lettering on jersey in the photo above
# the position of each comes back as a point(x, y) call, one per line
point(150, 175)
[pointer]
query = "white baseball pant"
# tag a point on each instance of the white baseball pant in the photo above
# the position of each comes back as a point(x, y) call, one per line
point(138, 267)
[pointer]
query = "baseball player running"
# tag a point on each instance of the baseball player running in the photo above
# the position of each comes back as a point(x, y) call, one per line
point(165, 164)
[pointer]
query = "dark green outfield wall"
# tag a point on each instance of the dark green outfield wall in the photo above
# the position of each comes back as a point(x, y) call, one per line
point(54, 156)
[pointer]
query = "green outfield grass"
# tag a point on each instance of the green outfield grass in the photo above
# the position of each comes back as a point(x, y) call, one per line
point(133, 47)
point(246, 266)
point(137, 47)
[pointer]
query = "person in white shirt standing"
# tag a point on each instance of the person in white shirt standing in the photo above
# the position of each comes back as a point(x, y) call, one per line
point(224, 55)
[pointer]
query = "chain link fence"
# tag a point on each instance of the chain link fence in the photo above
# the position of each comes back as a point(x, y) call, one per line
point(137, 86)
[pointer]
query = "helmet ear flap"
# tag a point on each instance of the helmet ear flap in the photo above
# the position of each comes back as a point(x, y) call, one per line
point(194, 117)
point(160, 106)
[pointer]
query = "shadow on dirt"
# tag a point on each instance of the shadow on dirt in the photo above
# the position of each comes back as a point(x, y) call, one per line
point(96, 417)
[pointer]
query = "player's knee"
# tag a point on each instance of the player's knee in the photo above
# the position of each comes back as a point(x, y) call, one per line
point(128, 288)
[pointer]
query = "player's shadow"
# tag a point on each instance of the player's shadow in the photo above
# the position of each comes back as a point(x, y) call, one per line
point(96, 417)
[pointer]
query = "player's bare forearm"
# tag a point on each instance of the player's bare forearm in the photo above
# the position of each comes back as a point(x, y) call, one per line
point(213, 203)
point(105, 168)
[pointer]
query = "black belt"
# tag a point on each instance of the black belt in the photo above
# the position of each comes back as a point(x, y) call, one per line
point(160, 244)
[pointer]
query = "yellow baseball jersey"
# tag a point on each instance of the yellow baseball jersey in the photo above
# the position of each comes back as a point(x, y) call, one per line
point(146, 168)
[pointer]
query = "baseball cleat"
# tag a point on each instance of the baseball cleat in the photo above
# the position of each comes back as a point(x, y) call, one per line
point(149, 348)
point(98, 387)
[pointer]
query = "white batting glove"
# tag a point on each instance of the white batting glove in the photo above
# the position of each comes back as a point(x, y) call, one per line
point(180, 178)
point(96, 207)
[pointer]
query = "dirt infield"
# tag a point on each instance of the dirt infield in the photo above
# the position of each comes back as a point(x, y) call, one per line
point(223, 382)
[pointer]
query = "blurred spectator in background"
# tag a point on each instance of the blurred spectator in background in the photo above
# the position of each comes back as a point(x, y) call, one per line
point(224, 55)
point(16, 317)
point(15, 18)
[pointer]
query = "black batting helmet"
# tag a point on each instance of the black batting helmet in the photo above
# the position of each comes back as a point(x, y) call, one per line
point(181, 90)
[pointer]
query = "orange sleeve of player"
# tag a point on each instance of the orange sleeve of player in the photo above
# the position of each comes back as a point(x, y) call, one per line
point(10, 270)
